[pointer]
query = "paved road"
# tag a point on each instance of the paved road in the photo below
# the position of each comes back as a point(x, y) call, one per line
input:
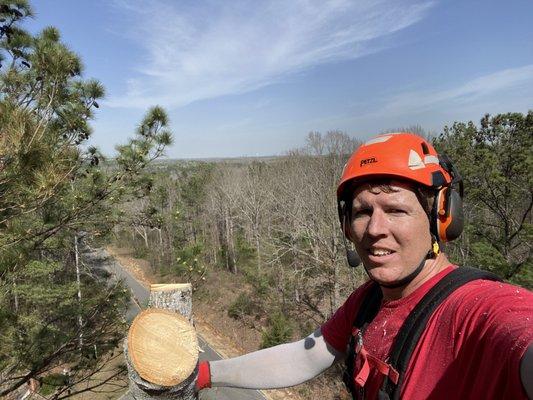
point(141, 294)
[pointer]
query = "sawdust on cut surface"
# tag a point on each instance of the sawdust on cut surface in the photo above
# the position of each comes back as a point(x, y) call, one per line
point(163, 346)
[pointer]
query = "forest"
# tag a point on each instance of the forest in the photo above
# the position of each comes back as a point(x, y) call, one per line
point(275, 221)
point(271, 222)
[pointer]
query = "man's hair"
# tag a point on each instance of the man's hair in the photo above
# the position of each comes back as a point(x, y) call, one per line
point(425, 195)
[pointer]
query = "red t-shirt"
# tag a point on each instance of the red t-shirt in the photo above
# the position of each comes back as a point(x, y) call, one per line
point(471, 348)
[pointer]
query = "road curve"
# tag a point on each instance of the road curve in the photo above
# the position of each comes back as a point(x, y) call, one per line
point(99, 258)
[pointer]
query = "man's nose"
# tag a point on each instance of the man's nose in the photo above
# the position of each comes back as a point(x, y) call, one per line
point(377, 224)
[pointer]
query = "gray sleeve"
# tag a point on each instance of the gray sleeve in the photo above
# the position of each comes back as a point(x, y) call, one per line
point(276, 367)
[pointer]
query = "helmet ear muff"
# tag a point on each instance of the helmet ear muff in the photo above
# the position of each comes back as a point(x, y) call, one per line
point(448, 218)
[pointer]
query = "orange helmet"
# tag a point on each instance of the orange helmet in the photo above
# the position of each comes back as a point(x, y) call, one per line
point(395, 155)
point(408, 156)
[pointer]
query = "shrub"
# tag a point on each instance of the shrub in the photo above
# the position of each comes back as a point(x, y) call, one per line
point(243, 305)
point(261, 281)
point(140, 252)
point(50, 383)
point(279, 331)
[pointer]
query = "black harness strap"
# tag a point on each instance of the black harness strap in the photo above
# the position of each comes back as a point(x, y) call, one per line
point(367, 312)
point(415, 324)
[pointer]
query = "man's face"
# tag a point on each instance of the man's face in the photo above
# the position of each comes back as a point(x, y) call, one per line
point(390, 230)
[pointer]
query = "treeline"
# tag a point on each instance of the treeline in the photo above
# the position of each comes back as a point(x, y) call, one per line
point(55, 312)
point(275, 222)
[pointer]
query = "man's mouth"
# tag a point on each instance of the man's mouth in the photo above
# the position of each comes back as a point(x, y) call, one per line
point(377, 252)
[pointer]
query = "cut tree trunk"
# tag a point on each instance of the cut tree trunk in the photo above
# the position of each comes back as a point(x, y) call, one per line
point(162, 347)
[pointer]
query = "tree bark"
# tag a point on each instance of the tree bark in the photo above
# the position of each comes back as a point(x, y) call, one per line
point(231, 246)
point(78, 283)
point(175, 297)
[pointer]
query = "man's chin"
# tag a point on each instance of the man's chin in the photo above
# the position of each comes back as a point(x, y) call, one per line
point(383, 275)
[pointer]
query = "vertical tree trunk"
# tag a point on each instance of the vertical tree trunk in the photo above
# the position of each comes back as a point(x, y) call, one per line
point(231, 246)
point(221, 230)
point(16, 296)
point(144, 234)
point(160, 234)
point(78, 283)
point(336, 285)
point(257, 245)
point(193, 225)
point(336, 274)
point(225, 236)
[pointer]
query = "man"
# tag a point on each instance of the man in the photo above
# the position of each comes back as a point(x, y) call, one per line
point(397, 203)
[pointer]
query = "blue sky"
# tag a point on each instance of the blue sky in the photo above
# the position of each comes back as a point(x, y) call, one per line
point(246, 78)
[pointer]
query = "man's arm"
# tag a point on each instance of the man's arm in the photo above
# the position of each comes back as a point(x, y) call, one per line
point(276, 367)
point(526, 371)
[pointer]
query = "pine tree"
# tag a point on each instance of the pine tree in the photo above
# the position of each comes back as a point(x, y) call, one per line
point(496, 164)
point(53, 191)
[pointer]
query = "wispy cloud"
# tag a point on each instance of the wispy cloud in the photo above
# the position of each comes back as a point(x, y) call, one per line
point(203, 49)
point(482, 88)
point(501, 91)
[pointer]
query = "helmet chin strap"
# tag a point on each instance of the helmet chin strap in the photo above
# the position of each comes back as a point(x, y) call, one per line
point(433, 253)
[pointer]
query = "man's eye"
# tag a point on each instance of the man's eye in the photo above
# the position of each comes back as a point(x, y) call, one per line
point(397, 211)
point(361, 212)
